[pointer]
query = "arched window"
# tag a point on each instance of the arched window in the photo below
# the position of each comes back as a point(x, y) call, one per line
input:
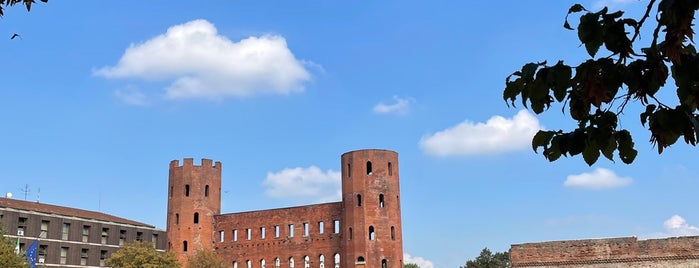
point(184, 246)
point(360, 259)
point(390, 169)
point(306, 262)
point(349, 170)
point(291, 262)
point(359, 200)
point(249, 263)
point(368, 168)
point(322, 261)
point(186, 190)
point(206, 191)
point(235, 264)
point(262, 263)
point(393, 233)
point(372, 235)
point(337, 260)
point(196, 217)
point(381, 200)
point(277, 263)
point(177, 218)
point(384, 263)
point(350, 233)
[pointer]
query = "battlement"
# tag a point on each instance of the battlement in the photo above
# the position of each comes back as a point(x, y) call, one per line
point(189, 162)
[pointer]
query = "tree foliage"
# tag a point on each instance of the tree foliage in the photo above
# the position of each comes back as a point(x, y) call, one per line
point(411, 265)
point(8, 258)
point(489, 260)
point(9, 3)
point(597, 91)
point(141, 255)
point(205, 258)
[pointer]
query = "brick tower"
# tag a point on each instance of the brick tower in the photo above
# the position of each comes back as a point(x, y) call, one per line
point(194, 197)
point(371, 210)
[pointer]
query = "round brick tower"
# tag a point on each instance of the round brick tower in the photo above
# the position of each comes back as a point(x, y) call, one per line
point(194, 197)
point(372, 233)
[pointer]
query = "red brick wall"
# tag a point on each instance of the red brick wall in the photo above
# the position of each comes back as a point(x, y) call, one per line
point(612, 250)
point(284, 246)
point(198, 178)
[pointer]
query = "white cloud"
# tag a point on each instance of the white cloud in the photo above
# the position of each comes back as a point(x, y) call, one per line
point(200, 63)
point(497, 135)
point(423, 263)
point(675, 226)
point(304, 182)
point(131, 96)
point(401, 106)
point(599, 179)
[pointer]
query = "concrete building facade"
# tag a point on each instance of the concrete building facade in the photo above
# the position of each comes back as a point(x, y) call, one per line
point(362, 230)
point(70, 237)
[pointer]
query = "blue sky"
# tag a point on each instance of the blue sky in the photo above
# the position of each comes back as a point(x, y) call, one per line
point(97, 98)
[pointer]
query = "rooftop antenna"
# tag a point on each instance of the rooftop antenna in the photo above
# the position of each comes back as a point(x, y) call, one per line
point(38, 195)
point(26, 191)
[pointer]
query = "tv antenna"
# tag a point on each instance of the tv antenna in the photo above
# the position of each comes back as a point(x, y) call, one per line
point(26, 191)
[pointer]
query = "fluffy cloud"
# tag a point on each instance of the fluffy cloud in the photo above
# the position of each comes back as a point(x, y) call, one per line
point(200, 63)
point(423, 263)
point(400, 106)
point(599, 179)
point(497, 135)
point(678, 226)
point(309, 182)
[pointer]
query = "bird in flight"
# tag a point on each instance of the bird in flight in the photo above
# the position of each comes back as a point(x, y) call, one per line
point(15, 36)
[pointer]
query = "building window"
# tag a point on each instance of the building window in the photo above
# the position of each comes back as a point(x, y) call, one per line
point(44, 229)
point(235, 264)
point(206, 191)
point(277, 263)
point(350, 233)
point(306, 262)
point(139, 236)
point(384, 263)
point(337, 260)
point(381, 204)
point(248, 234)
point(249, 263)
point(221, 236)
point(105, 235)
point(276, 231)
point(184, 246)
point(360, 260)
point(154, 239)
point(186, 190)
point(122, 237)
point(83, 256)
point(21, 226)
point(103, 257)
point(41, 258)
point(291, 262)
point(306, 230)
point(170, 192)
point(235, 235)
point(368, 168)
point(262, 263)
point(321, 227)
point(336, 226)
point(86, 233)
point(322, 261)
point(196, 217)
point(177, 218)
point(390, 169)
point(64, 232)
point(372, 235)
point(291, 230)
point(349, 171)
point(359, 200)
point(263, 232)
point(393, 233)
point(64, 255)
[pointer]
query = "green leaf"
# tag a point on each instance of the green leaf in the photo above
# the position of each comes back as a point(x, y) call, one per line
point(591, 153)
point(590, 32)
point(541, 139)
point(626, 151)
point(576, 8)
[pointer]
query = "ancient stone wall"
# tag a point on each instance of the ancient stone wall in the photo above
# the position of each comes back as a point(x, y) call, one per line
point(297, 233)
point(612, 252)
